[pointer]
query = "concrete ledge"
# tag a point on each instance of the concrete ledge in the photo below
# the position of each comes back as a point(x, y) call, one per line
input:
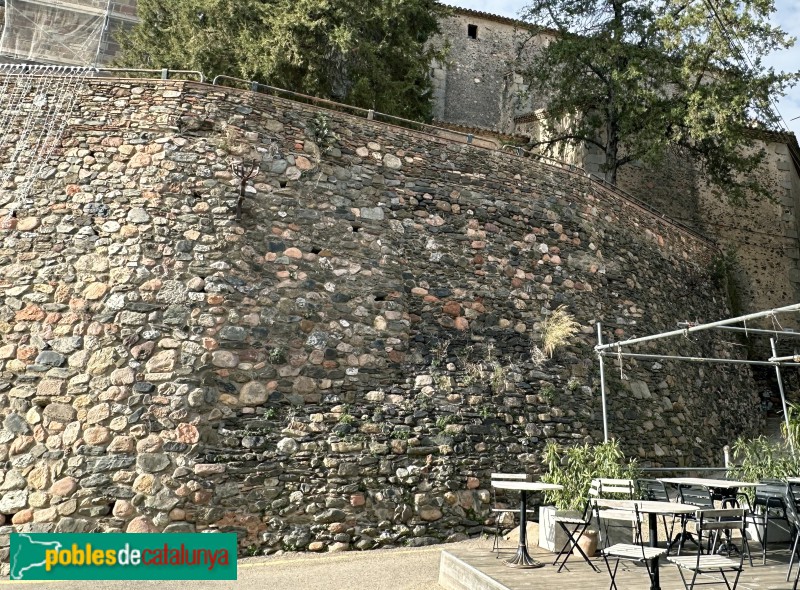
point(457, 574)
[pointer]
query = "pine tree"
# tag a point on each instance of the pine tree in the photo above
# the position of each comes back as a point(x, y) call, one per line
point(368, 53)
point(636, 78)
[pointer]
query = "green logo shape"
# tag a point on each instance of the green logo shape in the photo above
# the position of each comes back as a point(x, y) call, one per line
point(123, 556)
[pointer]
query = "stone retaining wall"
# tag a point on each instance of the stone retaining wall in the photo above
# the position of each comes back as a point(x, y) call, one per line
point(343, 367)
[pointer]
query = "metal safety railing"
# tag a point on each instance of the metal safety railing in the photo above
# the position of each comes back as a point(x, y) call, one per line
point(369, 114)
point(16, 69)
point(572, 168)
point(163, 73)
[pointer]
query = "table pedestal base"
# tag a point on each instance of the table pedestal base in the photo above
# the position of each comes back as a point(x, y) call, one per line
point(523, 560)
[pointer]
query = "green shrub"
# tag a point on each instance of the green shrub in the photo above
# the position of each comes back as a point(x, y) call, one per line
point(757, 459)
point(575, 467)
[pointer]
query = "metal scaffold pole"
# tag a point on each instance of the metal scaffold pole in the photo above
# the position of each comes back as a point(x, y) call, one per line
point(602, 383)
point(783, 395)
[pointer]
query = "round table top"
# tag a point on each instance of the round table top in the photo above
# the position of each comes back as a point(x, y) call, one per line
point(528, 486)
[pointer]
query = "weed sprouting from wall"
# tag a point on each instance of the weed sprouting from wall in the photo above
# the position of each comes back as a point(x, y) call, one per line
point(557, 330)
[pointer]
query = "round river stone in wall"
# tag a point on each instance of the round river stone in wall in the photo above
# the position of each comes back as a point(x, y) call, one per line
point(152, 462)
point(288, 446)
point(224, 359)
point(253, 394)
point(393, 162)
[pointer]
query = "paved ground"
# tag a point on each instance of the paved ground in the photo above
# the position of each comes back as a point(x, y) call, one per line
point(389, 569)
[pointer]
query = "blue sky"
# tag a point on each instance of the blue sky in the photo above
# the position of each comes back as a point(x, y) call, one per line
point(787, 15)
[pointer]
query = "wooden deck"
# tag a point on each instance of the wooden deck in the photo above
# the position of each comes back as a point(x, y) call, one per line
point(580, 576)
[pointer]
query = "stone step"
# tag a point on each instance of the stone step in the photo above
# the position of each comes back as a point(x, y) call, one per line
point(456, 574)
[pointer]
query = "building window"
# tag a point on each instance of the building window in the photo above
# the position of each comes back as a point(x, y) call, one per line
point(472, 31)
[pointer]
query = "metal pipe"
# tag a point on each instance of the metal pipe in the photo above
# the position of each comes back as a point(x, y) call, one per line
point(700, 327)
point(693, 359)
point(759, 331)
point(676, 469)
point(201, 77)
point(602, 384)
point(783, 396)
point(778, 359)
point(369, 114)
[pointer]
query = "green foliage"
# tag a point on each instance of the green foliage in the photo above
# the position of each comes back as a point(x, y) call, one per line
point(791, 434)
point(346, 417)
point(277, 355)
point(548, 393)
point(499, 381)
point(439, 352)
point(444, 383)
point(575, 468)
point(320, 130)
point(573, 384)
point(368, 54)
point(558, 329)
point(474, 373)
point(639, 79)
point(760, 458)
point(443, 421)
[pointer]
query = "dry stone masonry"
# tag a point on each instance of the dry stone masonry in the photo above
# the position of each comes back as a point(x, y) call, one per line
point(342, 368)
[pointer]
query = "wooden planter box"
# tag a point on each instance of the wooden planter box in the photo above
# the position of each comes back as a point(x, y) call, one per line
point(551, 537)
point(779, 531)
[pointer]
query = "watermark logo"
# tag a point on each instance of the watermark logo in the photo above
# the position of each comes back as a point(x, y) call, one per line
point(123, 556)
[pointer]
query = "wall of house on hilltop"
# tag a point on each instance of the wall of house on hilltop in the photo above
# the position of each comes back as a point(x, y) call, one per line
point(344, 366)
point(763, 232)
point(669, 186)
point(477, 86)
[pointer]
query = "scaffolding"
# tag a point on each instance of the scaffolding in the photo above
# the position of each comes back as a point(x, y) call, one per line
point(74, 32)
point(37, 102)
point(614, 349)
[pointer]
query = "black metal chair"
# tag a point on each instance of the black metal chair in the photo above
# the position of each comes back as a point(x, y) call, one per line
point(573, 523)
point(499, 509)
point(769, 504)
point(793, 517)
point(695, 496)
point(716, 520)
point(636, 552)
point(655, 491)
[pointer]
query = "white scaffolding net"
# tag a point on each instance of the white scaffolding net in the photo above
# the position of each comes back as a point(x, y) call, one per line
point(36, 103)
point(51, 31)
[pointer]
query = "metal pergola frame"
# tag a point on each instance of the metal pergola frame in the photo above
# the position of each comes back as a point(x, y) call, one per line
point(614, 349)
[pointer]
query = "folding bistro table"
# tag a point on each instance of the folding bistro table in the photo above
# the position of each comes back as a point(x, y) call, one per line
point(522, 558)
point(717, 487)
point(712, 484)
point(652, 509)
